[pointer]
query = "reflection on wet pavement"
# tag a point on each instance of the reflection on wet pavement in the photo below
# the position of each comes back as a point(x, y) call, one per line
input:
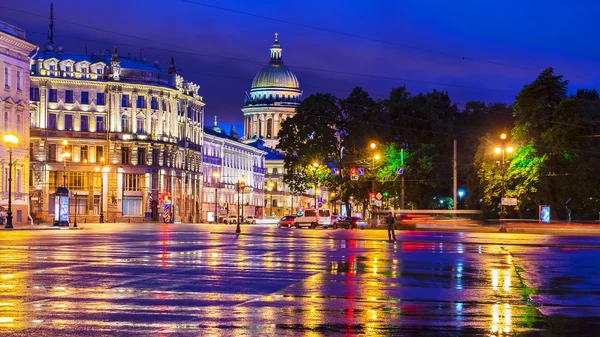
point(163, 280)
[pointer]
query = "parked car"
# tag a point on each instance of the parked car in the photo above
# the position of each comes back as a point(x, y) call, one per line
point(286, 221)
point(251, 219)
point(309, 219)
point(350, 222)
point(231, 219)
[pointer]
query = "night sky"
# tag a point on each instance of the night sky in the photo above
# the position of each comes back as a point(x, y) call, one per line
point(222, 50)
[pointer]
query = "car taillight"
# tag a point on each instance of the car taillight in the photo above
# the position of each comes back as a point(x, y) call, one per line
point(355, 222)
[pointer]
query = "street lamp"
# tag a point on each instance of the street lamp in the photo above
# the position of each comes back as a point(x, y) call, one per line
point(102, 169)
point(334, 202)
point(315, 167)
point(373, 145)
point(270, 189)
point(241, 186)
point(216, 175)
point(64, 154)
point(503, 149)
point(10, 141)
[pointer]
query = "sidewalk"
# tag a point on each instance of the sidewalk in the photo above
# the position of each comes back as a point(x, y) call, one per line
point(40, 227)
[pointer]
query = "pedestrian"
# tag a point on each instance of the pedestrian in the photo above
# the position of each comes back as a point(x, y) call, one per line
point(390, 220)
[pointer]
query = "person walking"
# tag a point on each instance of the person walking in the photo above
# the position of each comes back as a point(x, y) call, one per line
point(390, 220)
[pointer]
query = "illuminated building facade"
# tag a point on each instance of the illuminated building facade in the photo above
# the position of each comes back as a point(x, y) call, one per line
point(14, 110)
point(146, 124)
point(231, 160)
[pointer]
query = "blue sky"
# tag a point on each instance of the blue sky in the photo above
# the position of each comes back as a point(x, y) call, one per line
point(530, 35)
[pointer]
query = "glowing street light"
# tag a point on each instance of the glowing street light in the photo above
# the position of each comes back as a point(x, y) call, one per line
point(10, 141)
point(102, 169)
point(373, 145)
point(503, 150)
point(216, 175)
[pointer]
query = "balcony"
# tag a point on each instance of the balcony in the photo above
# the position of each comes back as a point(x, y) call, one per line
point(38, 132)
point(259, 170)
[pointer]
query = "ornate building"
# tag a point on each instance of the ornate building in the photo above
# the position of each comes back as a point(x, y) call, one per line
point(14, 110)
point(226, 160)
point(274, 96)
point(133, 136)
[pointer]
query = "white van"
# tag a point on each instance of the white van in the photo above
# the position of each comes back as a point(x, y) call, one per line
point(309, 218)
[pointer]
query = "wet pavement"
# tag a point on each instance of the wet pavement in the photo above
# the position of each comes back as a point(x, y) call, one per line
point(178, 280)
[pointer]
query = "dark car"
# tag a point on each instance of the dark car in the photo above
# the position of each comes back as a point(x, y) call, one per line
point(349, 222)
point(286, 221)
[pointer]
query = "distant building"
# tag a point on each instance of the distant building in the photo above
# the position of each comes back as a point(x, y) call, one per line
point(14, 110)
point(144, 124)
point(274, 96)
point(231, 160)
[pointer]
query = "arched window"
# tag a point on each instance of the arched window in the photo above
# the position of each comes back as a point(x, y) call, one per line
point(125, 124)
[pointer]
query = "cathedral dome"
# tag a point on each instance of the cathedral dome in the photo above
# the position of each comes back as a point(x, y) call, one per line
point(275, 74)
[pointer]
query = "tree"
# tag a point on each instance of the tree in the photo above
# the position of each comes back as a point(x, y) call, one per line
point(307, 137)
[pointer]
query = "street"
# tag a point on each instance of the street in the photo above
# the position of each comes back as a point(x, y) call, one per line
point(167, 280)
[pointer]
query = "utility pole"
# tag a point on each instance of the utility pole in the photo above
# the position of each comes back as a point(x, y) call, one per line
point(402, 163)
point(455, 178)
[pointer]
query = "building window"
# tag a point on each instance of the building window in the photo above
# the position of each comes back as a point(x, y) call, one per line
point(99, 123)
point(6, 76)
point(141, 102)
point(77, 180)
point(85, 97)
point(99, 70)
point(140, 125)
point(125, 155)
point(125, 124)
point(68, 96)
point(85, 124)
point(125, 101)
point(132, 182)
point(34, 94)
point(19, 84)
point(100, 98)
point(141, 156)
point(52, 67)
point(83, 153)
point(51, 154)
point(52, 121)
point(274, 170)
point(269, 128)
point(78, 204)
point(132, 206)
point(153, 103)
point(52, 95)
point(68, 122)
point(155, 157)
point(68, 70)
point(99, 152)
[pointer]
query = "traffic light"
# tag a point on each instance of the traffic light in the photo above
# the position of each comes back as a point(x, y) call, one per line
point(353, 174)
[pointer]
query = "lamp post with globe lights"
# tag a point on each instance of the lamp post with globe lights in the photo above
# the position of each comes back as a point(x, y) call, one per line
point(10, 141)
point(270, 187)
point(241, 187)
point(101, 168)
point(217, 175)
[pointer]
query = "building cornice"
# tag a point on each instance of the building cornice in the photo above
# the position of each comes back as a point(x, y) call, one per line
point(25, 46)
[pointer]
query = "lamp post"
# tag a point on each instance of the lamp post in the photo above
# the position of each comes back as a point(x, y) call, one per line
point(216, 175)
point(315, 167)
point(10, 141)
point(270, 189)
point(241, 187)
point(503, 149)
point(64, 154)
point(101, 169)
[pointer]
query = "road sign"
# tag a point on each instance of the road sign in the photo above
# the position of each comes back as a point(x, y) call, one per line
point(379, 196)
point(320, 199)
point(355, 177)
point(361, 171)
point(509, 201)
point(400, 170)
point(320, 205)
point(335, 171)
